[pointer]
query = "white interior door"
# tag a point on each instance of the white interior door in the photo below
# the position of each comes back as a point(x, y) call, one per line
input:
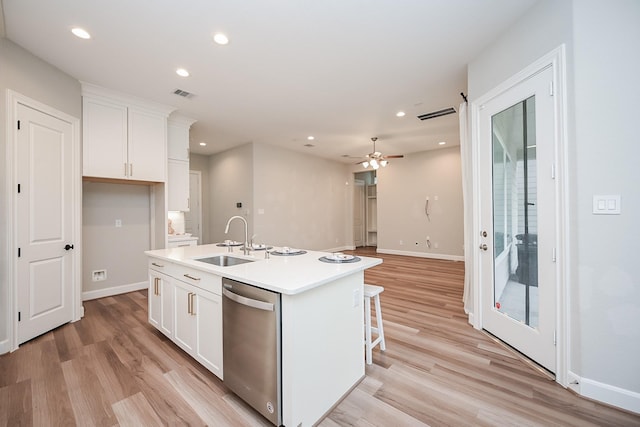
point(43, 222)
point(193, 217)
point(358, 213)
point(518, 217)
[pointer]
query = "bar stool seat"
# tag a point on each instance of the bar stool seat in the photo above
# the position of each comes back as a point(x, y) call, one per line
point(372, 291)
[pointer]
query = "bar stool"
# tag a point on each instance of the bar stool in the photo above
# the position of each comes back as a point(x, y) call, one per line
point(372, 291)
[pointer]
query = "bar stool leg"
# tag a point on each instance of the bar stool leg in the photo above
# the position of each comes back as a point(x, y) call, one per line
point(379, 328)
point(367, 330)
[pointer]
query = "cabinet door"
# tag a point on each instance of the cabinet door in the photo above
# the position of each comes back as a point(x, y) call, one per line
point(178, 183)
point(160, 297)
point(147, 134)
point(104, 136)
point(178, 141)
point(154, 299)
point(185, 316)
point(209, 332)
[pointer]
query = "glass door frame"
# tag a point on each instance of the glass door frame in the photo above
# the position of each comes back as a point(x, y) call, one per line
point(556, 60)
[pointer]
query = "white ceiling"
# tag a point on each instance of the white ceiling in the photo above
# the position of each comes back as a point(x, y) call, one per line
point(335, 69)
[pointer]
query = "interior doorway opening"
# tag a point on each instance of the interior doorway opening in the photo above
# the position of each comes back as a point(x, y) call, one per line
point(365, 209)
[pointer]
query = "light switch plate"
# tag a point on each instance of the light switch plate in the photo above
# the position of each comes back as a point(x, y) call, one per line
point(606, 205)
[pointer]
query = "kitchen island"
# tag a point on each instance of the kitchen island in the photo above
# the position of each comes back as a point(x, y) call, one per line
point(322, 350)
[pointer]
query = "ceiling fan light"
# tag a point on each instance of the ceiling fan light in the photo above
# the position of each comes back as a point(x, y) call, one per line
point(384, 163)
point(374, 164)
point(365, 164)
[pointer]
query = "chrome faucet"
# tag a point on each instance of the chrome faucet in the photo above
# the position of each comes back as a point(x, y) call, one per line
point(247, 250)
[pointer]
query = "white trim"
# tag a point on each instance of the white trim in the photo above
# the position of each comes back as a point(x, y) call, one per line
point(13, 99)
point(111, 95)
point(115, 290)
point(200, 224)
point(4, 346)
point(421, 254)
point(555, 59)
point(611, 395)
point(340, 248)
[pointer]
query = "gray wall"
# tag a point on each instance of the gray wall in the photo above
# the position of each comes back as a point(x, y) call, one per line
point(230, 182)
point(305, 200)
point(26, 74)
point(402, 191)
point(119, 250)
point(602, 72)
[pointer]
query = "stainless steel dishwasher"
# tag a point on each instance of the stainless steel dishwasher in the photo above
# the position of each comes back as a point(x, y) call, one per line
point(251, 346)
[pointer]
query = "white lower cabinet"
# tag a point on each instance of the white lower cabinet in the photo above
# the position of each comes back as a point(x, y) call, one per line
point(186, 305)
point(161, 302)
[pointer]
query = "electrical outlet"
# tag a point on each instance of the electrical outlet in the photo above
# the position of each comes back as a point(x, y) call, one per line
point(435, 245)
point(99, 275)
point(401, 243)
point(118, 223)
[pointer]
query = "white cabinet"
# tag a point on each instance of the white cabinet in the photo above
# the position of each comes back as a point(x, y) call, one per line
point(178, 167)
point(178, 182)
point(123, 137)
point(177, 241)
point(161, 302)
point(191, 301)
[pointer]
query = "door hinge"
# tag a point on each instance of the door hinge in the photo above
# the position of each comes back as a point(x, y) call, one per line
point(553, 171)
point(18, 188)
point(553, 255)
point(19, 316)
point(555, 338)
point(551, 88)
point(18, 124)
point(19, 252)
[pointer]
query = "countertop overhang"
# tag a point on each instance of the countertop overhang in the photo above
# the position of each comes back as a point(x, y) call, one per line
point(289, 274)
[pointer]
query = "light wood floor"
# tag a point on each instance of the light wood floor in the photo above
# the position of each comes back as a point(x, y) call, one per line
point(113, 368)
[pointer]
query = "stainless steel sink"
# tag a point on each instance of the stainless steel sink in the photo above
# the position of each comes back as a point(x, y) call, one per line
point(224, 260)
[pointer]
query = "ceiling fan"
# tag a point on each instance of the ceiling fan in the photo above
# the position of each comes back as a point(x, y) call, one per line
point(376, 159)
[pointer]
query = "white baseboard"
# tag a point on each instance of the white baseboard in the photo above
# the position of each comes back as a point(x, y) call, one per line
point(115, 290)
point(422, 254)
point(339, 248)
point(605, 393)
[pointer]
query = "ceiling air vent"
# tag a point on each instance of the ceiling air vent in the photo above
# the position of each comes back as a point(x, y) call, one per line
point(435, 114)
point(182, 93)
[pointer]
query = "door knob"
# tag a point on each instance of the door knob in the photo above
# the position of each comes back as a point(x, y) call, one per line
point(483, 234)
point(483, 246)
point(67, 247)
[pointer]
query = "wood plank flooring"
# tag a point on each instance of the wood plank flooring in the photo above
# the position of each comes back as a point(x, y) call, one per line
point(112, 368)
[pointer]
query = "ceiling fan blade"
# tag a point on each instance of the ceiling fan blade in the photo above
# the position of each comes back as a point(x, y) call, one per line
point(396, 156)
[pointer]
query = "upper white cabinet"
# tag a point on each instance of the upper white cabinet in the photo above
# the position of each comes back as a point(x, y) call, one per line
point(178, 164)
point(123, 137)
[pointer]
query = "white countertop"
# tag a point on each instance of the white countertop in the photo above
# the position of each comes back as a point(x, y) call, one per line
point(290, 274)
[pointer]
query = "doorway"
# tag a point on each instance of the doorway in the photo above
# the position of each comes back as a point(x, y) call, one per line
point(365, 209)
point(44, 218)
point(518, 212)
point(193, 217)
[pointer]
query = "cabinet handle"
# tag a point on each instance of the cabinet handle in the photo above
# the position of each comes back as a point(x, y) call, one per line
point(125, 169)
point(189, 303)
point(188, 203)
point(193, 311)
point(130, 169)
point(157, 265)
point(157, 280)
point(188, 276)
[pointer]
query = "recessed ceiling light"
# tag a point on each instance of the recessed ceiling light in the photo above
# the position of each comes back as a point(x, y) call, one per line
point(204, 144)
point(220, 38)
point(400, 114)
point(182, 72)
point(441, 143)
point(311, 138)
point(79, 32)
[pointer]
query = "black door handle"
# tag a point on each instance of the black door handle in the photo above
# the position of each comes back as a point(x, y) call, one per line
point(67, 247)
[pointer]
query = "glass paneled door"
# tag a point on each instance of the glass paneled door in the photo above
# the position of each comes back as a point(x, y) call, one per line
point(518, 218)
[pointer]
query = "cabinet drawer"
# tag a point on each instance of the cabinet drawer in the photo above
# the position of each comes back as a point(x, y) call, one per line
point(161, 265)
point(207, 281)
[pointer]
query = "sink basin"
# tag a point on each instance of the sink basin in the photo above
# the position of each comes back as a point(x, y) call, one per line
point(224, 260)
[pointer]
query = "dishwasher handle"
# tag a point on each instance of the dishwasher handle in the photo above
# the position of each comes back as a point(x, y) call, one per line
point(254, 303)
